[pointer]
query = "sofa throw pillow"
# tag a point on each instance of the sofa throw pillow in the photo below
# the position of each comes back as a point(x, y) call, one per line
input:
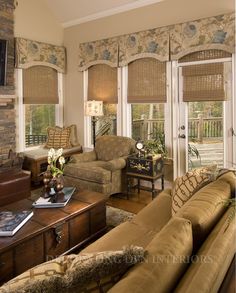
point(46, 277)
point(185, 187)
point(58, 138)
point(98, 272)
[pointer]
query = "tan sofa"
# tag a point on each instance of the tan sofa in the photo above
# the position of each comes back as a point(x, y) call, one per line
point(188, 252)
point(102, 169)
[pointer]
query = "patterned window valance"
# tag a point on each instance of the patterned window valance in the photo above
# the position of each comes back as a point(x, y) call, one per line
point(31, 53)
point(98, 52)
point(203, 34)
point(152, 43)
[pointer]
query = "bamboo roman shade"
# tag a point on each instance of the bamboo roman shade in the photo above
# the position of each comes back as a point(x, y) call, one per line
point(102, 83)
point(203, 82)
point(40, 85)
point(147, 81)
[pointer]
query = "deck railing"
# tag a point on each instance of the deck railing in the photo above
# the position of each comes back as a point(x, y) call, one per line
point(35, 139)
point(198, 128)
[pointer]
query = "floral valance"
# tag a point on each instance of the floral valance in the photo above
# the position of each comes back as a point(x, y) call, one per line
point(209, 33)
point(164, 44)
point(152, 43)
point(98, 52)
point(30, 53)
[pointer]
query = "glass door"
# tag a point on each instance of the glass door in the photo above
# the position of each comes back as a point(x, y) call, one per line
point(204, 126)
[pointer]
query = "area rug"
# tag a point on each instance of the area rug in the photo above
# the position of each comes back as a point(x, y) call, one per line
point(117, 216)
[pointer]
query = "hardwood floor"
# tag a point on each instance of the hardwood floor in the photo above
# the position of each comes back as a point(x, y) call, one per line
point(136, 201)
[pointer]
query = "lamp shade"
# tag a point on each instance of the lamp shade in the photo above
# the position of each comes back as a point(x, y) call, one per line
point(94, 108)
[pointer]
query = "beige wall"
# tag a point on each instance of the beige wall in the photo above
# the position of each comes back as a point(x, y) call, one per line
point(161, 14)
point(35, 21)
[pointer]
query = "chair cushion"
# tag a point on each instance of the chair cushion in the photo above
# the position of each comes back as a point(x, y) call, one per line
point(109, 147)
point(90, 171)
point(166, 260)
point(42, 153)
point(58, 138)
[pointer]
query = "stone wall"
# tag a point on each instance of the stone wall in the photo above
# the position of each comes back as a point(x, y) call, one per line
point(7, 111)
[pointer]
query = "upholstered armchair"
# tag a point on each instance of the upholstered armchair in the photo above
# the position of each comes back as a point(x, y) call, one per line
point(102, 169)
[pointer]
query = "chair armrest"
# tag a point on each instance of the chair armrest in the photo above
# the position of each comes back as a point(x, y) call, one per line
point(115, 164)
point(84, 157)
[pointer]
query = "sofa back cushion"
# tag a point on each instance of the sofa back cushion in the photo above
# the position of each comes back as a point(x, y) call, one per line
point(166, 261)
point(109, 147)
point(212, 261)
point(205, 208)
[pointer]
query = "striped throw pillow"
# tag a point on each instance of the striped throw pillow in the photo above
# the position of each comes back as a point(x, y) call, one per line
point(58, 138)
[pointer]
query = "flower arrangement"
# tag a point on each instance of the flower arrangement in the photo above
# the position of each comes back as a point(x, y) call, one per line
point(56, 162)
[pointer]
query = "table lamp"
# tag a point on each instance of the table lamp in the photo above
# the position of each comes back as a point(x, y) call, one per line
point(94, 109)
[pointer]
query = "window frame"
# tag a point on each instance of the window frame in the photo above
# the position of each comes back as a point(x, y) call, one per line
point(20, 110)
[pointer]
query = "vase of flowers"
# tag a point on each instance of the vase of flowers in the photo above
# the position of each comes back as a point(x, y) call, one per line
point(53, 176)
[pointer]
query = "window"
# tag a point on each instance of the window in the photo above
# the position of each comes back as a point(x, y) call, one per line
point(37, 119)
point(102, 86)
point(147, 95)
point(147, 120)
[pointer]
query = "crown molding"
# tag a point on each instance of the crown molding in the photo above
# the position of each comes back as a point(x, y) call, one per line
point(109, 12)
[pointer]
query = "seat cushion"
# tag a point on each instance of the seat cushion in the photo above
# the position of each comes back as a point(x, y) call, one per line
point(109, 147)
point(123, 235)
point(89, 171)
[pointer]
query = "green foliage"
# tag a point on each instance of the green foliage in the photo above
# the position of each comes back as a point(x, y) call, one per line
point(38, 118)
point(157, 144)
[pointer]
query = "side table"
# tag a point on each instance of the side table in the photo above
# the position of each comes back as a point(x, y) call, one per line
point(142, 168)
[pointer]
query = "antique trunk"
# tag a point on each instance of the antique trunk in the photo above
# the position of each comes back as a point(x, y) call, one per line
point(149, 166)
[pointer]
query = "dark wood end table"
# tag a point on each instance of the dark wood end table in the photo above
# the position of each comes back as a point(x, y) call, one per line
point(148, 169)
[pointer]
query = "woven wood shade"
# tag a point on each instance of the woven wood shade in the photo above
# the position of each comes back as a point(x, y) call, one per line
point(147, 81)
point(102, 83)
point(203, 82)
point(40, 85)
point(205, 55)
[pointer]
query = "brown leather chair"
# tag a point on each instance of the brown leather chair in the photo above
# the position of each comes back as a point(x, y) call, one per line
point(14, 186)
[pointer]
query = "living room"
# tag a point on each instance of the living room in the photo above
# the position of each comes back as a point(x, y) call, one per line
point(153, 83)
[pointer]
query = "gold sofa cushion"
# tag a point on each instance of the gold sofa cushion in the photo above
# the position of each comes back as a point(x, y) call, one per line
point(205, 208)
point(157, 213)
point(210, 265)
point(109, 147)
point(166, 260)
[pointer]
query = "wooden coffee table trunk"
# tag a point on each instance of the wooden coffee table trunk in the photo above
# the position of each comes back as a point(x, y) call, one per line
point(51, 232)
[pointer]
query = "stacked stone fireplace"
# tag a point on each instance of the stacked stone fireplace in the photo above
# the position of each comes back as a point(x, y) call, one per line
point(7, 92)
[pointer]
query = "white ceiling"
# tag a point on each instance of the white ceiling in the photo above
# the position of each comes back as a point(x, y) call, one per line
point(70, 12)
